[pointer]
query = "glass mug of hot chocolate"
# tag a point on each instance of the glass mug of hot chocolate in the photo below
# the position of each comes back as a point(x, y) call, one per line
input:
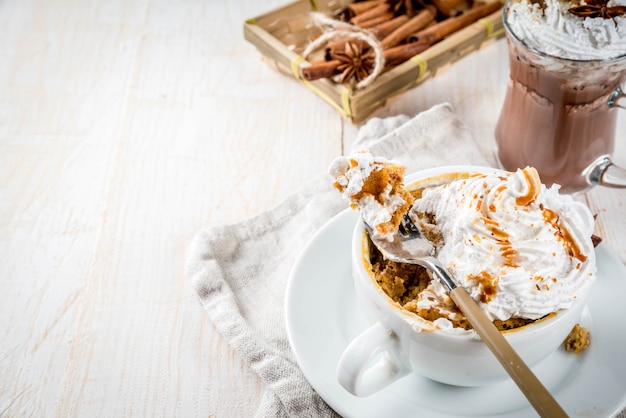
point(567, 65)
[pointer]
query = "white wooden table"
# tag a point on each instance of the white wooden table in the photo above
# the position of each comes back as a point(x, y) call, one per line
point(126, 126)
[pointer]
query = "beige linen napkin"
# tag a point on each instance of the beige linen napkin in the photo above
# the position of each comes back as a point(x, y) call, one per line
point(240, 271)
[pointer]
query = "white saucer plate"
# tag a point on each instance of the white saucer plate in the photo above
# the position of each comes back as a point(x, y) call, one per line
point(322, 317)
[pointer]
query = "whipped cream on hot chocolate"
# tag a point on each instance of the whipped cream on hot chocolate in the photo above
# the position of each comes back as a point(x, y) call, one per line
point(520, 249)
point(549, 27)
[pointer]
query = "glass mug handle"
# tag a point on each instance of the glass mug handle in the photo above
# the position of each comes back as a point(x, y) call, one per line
point(371, 361)
point(603, 171)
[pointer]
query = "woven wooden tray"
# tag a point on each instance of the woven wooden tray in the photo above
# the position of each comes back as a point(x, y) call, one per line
point(281, 35)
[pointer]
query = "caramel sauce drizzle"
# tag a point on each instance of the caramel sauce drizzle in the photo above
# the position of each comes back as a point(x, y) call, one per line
point(502, 238)
point(489, 285)
point(534, 185)
point(506, 249)
point(563, 234)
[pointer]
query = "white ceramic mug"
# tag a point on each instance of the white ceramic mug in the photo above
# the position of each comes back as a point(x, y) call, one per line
point(394, 346)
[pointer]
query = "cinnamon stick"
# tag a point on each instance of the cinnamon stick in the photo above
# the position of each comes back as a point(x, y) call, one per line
point(442, 29)
point(320, 69)
point(414, 24)
point(369, 14)
point(449, 8)
point(379, 31)
point(385, 28)
point(362, 6)
point(399, 54)
point(382, 18)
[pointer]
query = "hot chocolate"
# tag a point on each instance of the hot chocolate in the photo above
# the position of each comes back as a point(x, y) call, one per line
point(557, 114)
point(556, 124)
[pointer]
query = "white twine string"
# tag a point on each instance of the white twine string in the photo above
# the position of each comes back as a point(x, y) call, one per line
point(336, 28)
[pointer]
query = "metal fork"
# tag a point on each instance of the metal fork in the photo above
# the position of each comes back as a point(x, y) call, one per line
point(410, 246)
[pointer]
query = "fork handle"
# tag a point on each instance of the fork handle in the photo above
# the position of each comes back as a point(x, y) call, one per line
point(536, 393)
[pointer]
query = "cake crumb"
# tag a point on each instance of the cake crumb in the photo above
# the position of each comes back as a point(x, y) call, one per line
point(577, 340)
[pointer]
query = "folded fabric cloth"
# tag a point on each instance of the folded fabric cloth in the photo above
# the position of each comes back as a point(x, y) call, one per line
point(240, 271)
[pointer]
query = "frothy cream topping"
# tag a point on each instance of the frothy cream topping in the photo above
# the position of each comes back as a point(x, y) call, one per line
point(351, 172)
point(519, 248)
point(377, 207)
point(557, 32)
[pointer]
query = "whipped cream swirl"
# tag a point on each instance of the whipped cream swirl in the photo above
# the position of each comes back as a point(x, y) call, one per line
point(519, 248)
point(557, 32)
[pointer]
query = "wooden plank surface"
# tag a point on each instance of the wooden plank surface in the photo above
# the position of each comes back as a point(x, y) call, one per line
point(127, 126)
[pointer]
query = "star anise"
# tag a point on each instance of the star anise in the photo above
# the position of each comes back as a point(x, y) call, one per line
point(356, 61)
point(598, 8)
